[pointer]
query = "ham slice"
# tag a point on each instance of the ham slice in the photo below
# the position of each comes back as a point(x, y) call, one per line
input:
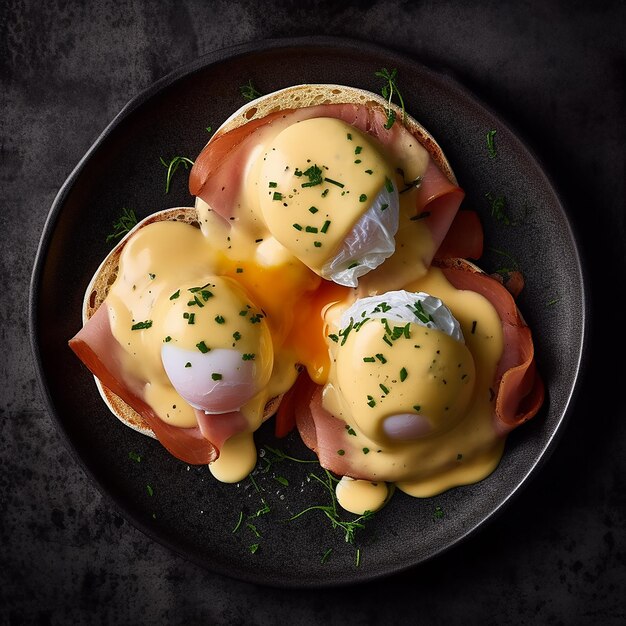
point(98, 349)
point(216, 176)
point(518, 389)
point(464, 239)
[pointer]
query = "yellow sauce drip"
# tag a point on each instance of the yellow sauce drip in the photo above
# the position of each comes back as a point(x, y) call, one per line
point(359, 496)
point(237, 459)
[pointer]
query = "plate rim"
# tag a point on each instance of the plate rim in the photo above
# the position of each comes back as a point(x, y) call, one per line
point(250, 48)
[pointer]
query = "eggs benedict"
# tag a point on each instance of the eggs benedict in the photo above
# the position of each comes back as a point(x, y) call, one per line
point(308, 256)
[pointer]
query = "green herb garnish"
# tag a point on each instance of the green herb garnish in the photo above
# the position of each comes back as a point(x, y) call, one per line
point(491, 148)
point(172, 167)
point(388, 90)
point(202, 347)
point(314, 174)
point(249, 92)
point(124, 224)
point(141, 325)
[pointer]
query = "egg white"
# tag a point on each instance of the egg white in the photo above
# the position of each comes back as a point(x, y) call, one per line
point(192, 375)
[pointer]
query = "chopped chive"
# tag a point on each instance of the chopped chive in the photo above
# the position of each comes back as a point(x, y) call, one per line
point(191, 319)
point(239, 270)
point(491, 148)
point(188, 364)
point(366, 450)
point(297, 226)
point(175, 295)
point(141, 325)
point(202, 347)
point(369, 359)
point(417, 407)
point(327, 553)
point(313, 209)
point(387, 340)
point(248, 356)
point(237, 335)
point(149, 490)
point(152, 276)
point(341, 452)
point(167, 339)
point(334, 182)
point(349, 136)
point(371, 402)
point(324, 193)
point(384, 389)
point(353, 265)
point(219, 319)
point(351, 430)
point(358, 150)
point(333, 337)
point(135, 457)
point(277, 196)
point(310, 229)
point(253, 548)
point(362, 198)
point(216, 376)
point(324, 228)
point(474, 326)
point(388, 185)
point(384, 206)
point(273, 185)
point(381, 358)
point(317, 244)
point(403, 374)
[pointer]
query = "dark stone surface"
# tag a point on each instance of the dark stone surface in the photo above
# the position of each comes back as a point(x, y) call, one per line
point(555, 72)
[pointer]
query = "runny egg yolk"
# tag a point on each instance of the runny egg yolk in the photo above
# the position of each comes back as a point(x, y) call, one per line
point(327, 195)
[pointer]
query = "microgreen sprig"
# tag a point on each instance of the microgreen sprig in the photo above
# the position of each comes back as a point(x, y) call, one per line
point(249, 92)
point(124, 224)
point(388, 90)
point(349, 527)
point(172, 166)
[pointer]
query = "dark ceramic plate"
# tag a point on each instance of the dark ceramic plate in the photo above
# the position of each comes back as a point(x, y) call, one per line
point(189, 511)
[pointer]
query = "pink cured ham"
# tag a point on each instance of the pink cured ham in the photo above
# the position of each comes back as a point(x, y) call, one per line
point(98, 349)
point(216, 176)
point(518, 388)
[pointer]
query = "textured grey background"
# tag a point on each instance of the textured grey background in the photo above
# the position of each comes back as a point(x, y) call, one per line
point(555, 72)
